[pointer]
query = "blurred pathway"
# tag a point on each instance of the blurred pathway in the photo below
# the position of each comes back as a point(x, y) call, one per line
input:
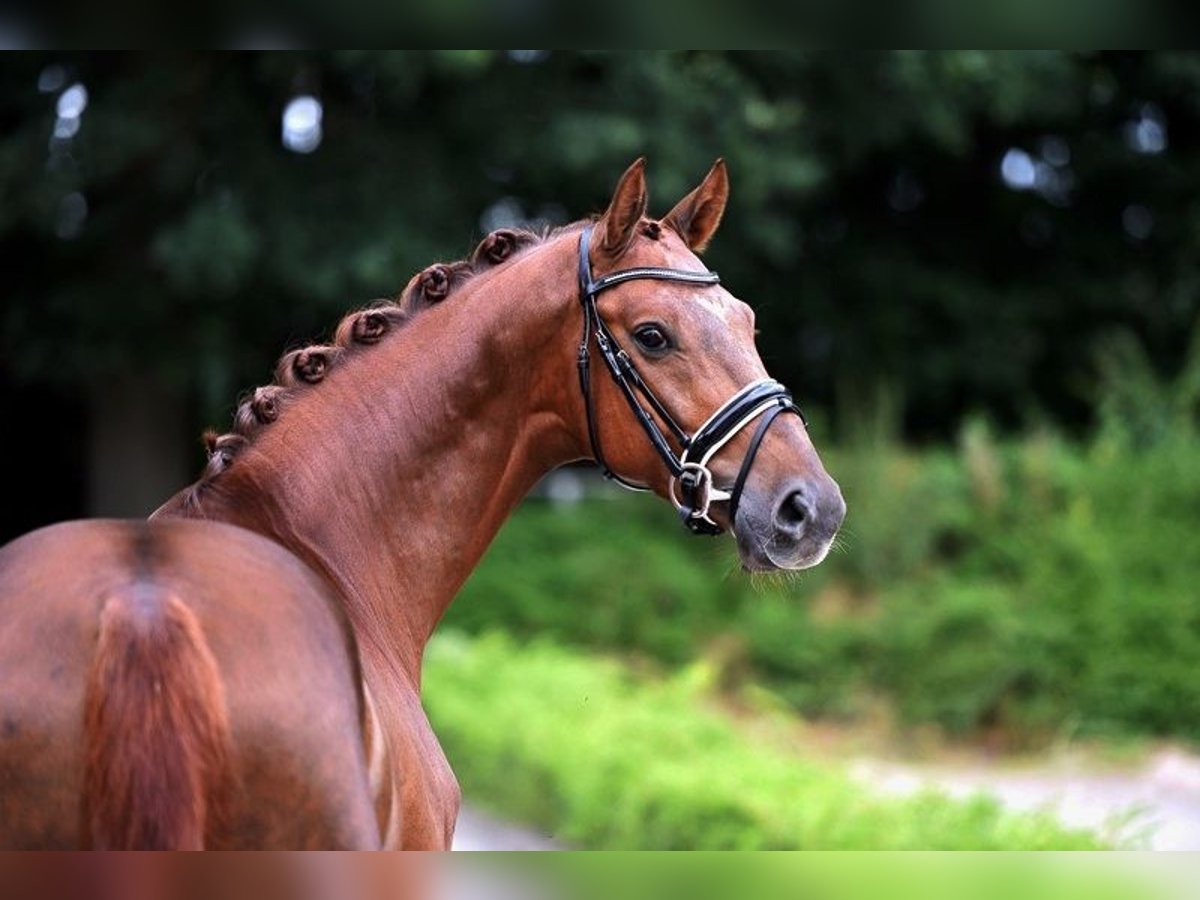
point(480, 831)
point(1156, 805)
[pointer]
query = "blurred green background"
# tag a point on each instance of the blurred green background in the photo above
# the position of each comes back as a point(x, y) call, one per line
point(978, 271)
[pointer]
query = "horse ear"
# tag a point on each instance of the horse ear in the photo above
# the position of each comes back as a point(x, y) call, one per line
point(696, 217)
point(627, 207)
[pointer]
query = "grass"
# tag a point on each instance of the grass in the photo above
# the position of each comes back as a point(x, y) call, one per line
point(604, 760)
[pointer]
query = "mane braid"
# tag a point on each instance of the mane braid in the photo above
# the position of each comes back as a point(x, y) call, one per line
point(300, 369)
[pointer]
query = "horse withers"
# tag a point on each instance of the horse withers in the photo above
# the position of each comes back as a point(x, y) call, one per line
point(244, 669)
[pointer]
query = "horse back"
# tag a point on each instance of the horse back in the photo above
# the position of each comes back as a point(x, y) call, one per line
point(175, 683)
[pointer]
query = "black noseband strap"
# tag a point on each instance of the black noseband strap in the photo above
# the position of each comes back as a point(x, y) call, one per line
point(727, 420)
point(735, 496)
point(691, 485)
point(763, 400)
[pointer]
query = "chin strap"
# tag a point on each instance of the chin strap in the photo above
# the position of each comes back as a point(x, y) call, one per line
point(691, 486)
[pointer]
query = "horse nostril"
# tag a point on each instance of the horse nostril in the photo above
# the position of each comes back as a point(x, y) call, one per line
point(794, 513)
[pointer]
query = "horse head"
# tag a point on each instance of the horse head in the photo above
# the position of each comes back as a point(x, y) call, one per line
point(690, 411)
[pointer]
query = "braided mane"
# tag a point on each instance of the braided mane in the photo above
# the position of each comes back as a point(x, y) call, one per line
point(299, 370)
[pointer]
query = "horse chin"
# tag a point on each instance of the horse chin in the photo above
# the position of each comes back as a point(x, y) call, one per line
point(761, 554)
point(813, 556)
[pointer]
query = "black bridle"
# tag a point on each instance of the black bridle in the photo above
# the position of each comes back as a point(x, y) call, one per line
point(691, 486)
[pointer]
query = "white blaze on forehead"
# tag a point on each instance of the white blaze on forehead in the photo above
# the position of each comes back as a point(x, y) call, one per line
point(720, 304)
point(731, 329)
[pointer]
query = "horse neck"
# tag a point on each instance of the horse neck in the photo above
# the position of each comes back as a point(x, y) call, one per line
point(393, 475)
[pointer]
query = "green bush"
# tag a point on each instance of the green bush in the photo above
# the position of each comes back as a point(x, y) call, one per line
point(580, 748)
point(600, 574)
point(1019, 586)
point(1026, 586)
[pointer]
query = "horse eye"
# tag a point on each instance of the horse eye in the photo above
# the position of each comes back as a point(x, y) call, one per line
point(651, 338)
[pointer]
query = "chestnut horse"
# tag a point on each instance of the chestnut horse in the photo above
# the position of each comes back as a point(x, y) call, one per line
point(244, 668)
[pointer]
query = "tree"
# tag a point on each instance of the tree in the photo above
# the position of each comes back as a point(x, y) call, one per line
point(960, 226)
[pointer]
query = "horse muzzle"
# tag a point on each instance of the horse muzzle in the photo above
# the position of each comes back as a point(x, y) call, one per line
point(791, 526)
